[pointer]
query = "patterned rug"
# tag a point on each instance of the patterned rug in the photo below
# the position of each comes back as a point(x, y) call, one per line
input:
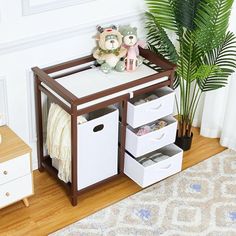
point(200, 201)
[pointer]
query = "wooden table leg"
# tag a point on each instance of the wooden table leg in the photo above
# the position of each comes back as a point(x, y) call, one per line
point(26, 202)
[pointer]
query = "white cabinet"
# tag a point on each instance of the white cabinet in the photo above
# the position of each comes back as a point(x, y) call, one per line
point(16, 180)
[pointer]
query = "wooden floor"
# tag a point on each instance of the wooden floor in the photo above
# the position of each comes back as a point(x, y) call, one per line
point(50, 208)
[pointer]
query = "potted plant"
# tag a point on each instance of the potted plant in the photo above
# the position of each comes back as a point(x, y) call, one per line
point(204, 50)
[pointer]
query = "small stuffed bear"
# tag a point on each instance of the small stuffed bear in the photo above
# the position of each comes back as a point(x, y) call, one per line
point(131, 42)
point(109, 51)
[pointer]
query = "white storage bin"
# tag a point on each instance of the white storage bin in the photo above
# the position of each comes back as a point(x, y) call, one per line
point(145, 176)
point(97, 147)
point(140, 145)
point(147, 112)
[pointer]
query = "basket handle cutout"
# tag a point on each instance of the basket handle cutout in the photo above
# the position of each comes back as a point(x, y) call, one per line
point(157, 108)
point(166, 167)
point(98, 128)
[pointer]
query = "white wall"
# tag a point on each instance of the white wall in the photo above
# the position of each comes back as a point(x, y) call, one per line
point(42, 33)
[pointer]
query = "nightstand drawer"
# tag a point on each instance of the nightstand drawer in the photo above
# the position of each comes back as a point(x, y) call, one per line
point(15, 168)
point(15, 190)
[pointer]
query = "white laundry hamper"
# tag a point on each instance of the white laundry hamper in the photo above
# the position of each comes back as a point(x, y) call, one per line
point(97, 141)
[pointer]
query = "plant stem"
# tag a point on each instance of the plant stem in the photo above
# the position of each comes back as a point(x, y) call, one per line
point(193, 96)
point(188, 87)
point(177, 105)
point(196, 105)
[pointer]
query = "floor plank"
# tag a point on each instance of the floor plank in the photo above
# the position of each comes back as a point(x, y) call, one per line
point(50, 208)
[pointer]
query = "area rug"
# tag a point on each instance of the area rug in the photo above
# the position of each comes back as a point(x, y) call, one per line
point(200, 201)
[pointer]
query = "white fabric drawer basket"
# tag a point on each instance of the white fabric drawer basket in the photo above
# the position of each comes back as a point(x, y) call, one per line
point(97, 147)
point(140, 145)
point(147, 112)
point(145, 176)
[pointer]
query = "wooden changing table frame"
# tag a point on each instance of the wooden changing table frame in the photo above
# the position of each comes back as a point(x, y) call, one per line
point(42, 76)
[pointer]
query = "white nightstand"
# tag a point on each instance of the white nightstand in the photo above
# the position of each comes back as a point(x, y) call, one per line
point(16, 179)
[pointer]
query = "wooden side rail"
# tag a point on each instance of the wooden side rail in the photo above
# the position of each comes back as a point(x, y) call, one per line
point(55, 86)
point(68, 64)
point(157, 59)
point(54, 98)
point(154, 58)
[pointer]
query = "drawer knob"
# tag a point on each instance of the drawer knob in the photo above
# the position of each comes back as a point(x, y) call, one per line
point(5, 172)
point(7, 194)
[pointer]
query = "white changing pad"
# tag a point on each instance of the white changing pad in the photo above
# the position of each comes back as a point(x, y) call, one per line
point(93, 80)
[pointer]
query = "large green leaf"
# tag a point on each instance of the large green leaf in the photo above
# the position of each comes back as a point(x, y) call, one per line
point(212, 22)
point(190, 56)
point(176, 80)
point(158, 39)
point(164, 13)
point(223, 57)
point(174, 14)
point(185, 11)
point(205, 71)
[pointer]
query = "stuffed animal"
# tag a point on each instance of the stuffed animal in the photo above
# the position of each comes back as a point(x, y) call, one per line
point(109, 51)
point(131, 42)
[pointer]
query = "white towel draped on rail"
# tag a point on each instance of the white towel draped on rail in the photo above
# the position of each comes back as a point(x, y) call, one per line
point(59, 139)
